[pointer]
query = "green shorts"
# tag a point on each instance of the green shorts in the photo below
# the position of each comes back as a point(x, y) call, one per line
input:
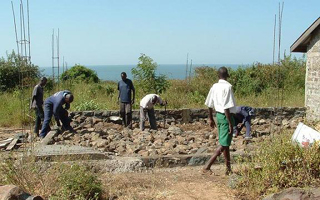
point(223, 129)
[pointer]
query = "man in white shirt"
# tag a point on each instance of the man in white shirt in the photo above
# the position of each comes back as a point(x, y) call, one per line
point(221, 98)
point(147, 106)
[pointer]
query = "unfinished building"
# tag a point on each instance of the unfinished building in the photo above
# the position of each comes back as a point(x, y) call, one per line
point(309, 43)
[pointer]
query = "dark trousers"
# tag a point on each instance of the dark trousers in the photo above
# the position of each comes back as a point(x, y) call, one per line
point(64, 118)
point(48, 112)
point(151, 116)
point(39, 118)
point(126, 114)
point(246, 123)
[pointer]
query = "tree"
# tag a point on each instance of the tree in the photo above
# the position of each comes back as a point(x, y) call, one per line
point(80, 73)
point(145, 75)
point(15, 71)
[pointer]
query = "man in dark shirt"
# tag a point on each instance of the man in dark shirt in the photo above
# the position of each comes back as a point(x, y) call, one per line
point(37, 103)
point(125, 87)
point(243, 118)
point(53, 106)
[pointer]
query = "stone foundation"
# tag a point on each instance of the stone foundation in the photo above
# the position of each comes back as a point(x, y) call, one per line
point(193, 115)
point(186, 132)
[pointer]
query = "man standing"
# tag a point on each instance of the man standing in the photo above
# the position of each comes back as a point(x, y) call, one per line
point(53, 106)
point(221, 98)
point(243, 118)
point(147, 106)
point(37, 103)
point(125, 87)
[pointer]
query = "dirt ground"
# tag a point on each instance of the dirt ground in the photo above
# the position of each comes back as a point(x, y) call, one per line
point(6, 133)
point(185, 183)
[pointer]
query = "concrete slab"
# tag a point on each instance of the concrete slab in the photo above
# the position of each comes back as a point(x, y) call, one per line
point(118, 164)
point(49, 137)
point(12, 144)
point(52, 152)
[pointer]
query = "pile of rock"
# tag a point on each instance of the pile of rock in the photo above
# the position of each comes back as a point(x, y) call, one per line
point(108, 136)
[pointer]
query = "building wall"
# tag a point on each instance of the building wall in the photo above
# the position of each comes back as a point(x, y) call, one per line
point(312, 93)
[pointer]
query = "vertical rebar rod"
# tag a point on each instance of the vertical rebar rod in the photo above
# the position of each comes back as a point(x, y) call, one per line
point(24, 41)
point(280, 23)
point(187, 66)
point(190, 70)
point(53, 56)
point(58, 59)
point(274, 38)
point(15, 27)
point(21, 48)
point(280, 26)
point(29, 41)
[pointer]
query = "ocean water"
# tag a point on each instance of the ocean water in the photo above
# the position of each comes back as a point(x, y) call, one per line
point(112, 72)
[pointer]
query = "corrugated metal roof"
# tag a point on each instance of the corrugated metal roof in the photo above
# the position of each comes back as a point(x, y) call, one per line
point(301, 44)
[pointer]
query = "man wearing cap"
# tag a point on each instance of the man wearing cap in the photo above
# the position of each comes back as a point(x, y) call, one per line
point(54, 106)
point(37, 103)
point(243, 118)
point(147, 106)
point(125, 87)
point(221, 98)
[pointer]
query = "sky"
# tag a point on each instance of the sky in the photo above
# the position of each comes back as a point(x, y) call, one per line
point(116, 32)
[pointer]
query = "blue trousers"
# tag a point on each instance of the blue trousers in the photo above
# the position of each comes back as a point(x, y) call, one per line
point(248, 127)
point(48, 112)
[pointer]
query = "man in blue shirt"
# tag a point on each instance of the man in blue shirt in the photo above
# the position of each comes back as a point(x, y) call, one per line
point(243, 118)
point(125, 87)
point(53, 106)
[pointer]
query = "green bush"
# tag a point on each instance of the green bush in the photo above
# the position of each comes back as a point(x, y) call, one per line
point(77, 183)
point(279, 164)
point(14, 72)
point(79, 73)
point(255, 79)
point(53, 181)
point(145, 75)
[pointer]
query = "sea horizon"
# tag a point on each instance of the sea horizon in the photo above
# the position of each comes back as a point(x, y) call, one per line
point(112, 72)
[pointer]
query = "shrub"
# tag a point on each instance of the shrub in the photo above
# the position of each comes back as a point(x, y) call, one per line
point(145, 75)
point(14, 71)
point(255, 79)
point(78, 183)
point(53, 181)
point(204, 78)
point(79, 73)
point(282, 165)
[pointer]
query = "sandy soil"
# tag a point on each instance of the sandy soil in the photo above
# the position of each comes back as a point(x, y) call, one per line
point(174, 184)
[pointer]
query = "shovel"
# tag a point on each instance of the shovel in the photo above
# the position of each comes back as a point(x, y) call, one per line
point(165, 116)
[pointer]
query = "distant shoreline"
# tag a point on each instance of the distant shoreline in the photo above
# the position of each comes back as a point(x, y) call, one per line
point(112, 72)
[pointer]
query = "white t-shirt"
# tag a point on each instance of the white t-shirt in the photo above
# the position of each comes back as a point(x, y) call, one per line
point(221, 97)
point(146, 102)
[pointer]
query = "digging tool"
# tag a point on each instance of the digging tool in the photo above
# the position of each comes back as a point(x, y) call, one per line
point(165, 115)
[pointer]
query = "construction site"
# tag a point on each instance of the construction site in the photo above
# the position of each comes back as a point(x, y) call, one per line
point(154, 164)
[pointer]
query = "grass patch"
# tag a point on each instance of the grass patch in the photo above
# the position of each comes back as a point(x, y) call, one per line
point(103, 96)
point(281, 165)
point(258, 85)
point(52, 181)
